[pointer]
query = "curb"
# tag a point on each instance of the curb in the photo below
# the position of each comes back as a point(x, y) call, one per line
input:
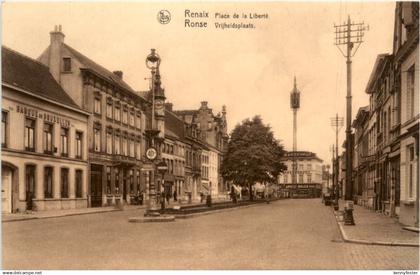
point(366, 242)
point(188, 216)
point(151, 219)
point(59, 216)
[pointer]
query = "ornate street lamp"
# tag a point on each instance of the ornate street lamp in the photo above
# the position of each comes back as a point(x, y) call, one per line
point(152, 153)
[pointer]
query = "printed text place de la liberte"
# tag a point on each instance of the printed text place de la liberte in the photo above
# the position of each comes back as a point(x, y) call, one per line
point(198, 19)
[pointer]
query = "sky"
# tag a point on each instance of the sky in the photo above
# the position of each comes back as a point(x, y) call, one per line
point(250, 71)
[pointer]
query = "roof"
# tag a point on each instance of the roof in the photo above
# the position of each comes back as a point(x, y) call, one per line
point(360, 116)
point(26, 73)
point(186, 112)
point(376, 71)
point(174, 125)
point(300, 155)
point(90, 64)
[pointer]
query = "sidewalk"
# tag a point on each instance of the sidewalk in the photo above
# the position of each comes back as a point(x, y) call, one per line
point(82, 211)
point(374, 228)
point(54, 213)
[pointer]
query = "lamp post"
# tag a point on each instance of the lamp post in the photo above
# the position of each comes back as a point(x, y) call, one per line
point(152, 153)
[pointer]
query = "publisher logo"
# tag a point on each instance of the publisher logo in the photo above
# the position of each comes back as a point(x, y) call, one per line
point(164, 17)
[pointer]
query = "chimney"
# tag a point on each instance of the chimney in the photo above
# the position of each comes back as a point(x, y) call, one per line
point(56, 42)
point(169, 106)
point(119, 74)
point(203, 105)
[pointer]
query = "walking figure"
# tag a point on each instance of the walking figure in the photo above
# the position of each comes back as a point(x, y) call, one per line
point(175, 196)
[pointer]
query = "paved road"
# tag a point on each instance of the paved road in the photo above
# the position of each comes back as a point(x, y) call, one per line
point(288, 234)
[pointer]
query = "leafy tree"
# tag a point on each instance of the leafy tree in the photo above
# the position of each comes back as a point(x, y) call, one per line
point(253, 155)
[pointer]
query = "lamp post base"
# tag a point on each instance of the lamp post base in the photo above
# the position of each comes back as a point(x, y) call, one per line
point(348, 213)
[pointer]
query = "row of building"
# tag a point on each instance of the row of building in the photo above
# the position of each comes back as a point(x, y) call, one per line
point(385, 142)
point(75, 135)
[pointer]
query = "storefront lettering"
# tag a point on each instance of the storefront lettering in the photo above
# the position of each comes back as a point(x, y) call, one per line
point(45, 116)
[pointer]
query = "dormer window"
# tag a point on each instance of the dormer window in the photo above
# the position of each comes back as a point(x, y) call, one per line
point(66, 64)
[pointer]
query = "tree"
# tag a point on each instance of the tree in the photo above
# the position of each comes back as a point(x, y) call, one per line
point(253, 155)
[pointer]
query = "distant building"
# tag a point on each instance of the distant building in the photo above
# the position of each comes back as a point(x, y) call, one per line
point(211, 130)
point(309, 173)
point(44, 140)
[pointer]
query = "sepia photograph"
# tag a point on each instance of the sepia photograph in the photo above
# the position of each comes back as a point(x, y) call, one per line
point(210, 136)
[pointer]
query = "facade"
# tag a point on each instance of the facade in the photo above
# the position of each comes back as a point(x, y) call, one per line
point(116, 137)
point(385, 143)
point(208, 132)
point(174, 154)
point(44, 140)
point(362, 160)
point(309, 173)
point(406, 51)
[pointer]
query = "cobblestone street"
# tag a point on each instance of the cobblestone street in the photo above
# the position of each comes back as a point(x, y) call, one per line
point(287, 234)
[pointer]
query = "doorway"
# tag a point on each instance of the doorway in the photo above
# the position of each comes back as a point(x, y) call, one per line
point(96, 186)
point(6, 189)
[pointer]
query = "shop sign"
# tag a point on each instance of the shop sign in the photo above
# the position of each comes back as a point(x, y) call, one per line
point(30, 112)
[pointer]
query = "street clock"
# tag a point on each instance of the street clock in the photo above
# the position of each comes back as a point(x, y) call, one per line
point(151, 153)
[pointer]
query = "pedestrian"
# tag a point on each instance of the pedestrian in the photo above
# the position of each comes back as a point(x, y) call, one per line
point(175, 196)
point(201, 197)
point(162, 200)
point(168, 196)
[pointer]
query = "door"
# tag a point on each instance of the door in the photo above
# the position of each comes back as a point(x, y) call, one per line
point(96, 186)
point(6, 190)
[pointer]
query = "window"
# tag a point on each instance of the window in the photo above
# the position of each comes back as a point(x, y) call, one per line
point(79, 183)
point(30, 181)
point(30, 134)
point(109, 109)
point(97, 105)
point(309, 178)
point(4, 128)
point(67, 64)
point(117, 114)
point(138, 149)
point(64, 182)
point(138, 181)
point(108, 180)
point(48, 182)
point(64, 142)
point(138, 121)
point(117, 180)
point(125, 116)
point(117, 145)
point(79, 136)
point(124, 146)
point(410, 92)
point(300, 178)
point(109, 142)
point(411, 171)
point(131, 119)
point(285, 176)
point(132, 154)
point(131, 181)
point(47, 137)
point(309, 166)
point(97, 139)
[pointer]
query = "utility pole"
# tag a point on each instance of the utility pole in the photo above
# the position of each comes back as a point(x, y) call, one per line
point(333, 167)
point(351, 35)
point(336, 122)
